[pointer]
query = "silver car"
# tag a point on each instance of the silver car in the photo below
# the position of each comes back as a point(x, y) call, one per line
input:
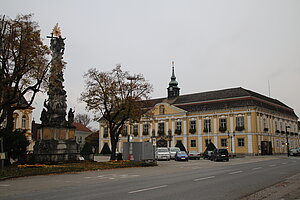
point(162, 153)
point(173, 151)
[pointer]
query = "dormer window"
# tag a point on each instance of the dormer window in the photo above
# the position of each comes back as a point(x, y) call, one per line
point(24, 122)
point(161, 110)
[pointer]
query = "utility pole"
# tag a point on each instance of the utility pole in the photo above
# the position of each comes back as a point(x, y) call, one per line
point(287, 128)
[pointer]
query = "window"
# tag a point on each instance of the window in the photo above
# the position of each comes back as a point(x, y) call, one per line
point(135, 129)
point(276, 125)
point(193, 143)
point(223, 123)
point(241, 142)
point(178, 125)
point(125, 130)
point(207, 141)
point(161, 128)
point(161, 110)
point(224, 143)
point(193, 124)
point(265, 123)
point(145, 129)
point(207, 125)
point(281, 126)
point(105, 133)
point(24, 122)
point(240, 121)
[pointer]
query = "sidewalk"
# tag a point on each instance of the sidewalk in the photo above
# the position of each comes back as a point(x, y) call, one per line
point(286, 190)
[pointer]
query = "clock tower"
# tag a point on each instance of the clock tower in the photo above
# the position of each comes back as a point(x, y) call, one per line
point(173, 89)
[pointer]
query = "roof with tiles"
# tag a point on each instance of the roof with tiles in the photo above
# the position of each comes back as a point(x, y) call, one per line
point(224, 99)
point(81, 127)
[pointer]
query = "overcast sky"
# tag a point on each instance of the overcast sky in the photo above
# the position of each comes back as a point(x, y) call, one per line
point(215, 44)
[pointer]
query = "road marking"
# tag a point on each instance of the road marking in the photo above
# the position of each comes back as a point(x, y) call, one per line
point(204, 178)
point(236, 172)
point(256, 168)
point(272, 165)
point(196, 167)
point(4, 185)
point(147, 189)
point(87, 177)
point(283, 163)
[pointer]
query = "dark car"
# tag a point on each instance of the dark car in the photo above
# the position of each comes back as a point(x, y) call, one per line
point(181, 155)
point(220, 154)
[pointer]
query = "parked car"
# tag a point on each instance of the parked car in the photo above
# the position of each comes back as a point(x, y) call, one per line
point(207, 154)
point(162, 153)
point(194, 155)
point(295, 152)
point(173, 151)
point(220, 154)
point(181, 155)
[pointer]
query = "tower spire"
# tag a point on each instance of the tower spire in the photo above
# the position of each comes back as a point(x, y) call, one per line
point(173, 89)
point(173, 73)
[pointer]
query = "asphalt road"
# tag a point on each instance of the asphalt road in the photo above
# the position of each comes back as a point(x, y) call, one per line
point(170, 180)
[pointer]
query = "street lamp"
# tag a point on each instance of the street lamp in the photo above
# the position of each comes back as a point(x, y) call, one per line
point(231, 136)
point(287, 140)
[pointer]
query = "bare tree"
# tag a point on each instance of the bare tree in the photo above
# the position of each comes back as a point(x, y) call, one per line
point(115, 97)
point(23, 64)
point(83, 119)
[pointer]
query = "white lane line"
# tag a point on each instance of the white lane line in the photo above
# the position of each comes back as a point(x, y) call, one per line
point(146, 189)
point(196, 167)
point(272, 165)
point(87, 177)
point(256, 168)
point(236, 172)
point(4, 185)
point(283, 163)
point(204, 178)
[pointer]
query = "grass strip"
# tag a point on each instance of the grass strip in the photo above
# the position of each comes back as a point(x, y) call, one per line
point(32, 170)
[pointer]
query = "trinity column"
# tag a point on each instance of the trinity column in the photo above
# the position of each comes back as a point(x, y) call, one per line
point(56, 137)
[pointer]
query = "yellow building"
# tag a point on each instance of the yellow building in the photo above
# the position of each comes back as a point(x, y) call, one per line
point(23, 120)
point(238, 119)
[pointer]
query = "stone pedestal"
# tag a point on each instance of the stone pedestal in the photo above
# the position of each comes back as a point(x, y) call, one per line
point(56, 145)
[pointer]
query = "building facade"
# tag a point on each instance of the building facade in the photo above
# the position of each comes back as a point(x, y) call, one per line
point(23, 120)
point(238, 119)
point(81, 132)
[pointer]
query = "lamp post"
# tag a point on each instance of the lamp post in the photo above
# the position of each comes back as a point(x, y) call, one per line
point(130, 137)
point(231, 136)
point(287, 140)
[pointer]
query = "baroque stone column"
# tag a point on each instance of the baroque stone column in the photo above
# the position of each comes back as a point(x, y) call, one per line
point(57, 135)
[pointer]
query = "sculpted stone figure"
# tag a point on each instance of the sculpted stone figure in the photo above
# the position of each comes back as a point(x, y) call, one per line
point(71, 116)
point(44, 117)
